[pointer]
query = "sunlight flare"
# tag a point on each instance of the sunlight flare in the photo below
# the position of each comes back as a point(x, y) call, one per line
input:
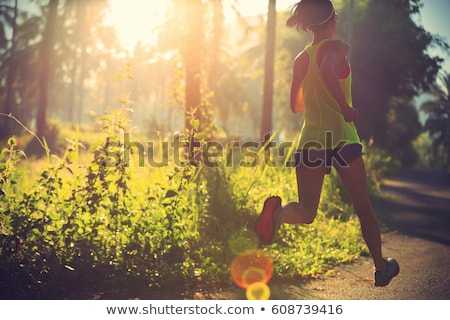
point(137, 21)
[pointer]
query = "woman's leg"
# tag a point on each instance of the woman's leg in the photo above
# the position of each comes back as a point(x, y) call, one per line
point(309, 184)
point(354, 180)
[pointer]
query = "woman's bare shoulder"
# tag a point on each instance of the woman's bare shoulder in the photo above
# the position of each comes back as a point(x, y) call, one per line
point(337, 46)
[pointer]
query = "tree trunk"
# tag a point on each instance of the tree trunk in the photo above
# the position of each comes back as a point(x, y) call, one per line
point(193, 59)
point(72, 96)
point(216, 38)
point(45, 58)
point(266, 125)
point(82, 30)
point(10, 82)
point(193, 67)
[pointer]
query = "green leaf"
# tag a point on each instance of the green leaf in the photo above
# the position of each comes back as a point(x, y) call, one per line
point(95, 145)
point(200, 135)
point(21, 153)
point(195, 123)
point(105, 117)
point(12, 141)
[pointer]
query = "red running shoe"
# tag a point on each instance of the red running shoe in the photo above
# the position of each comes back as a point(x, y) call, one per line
point(269, 220)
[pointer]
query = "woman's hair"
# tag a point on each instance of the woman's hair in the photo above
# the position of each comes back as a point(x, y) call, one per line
point(311, 14)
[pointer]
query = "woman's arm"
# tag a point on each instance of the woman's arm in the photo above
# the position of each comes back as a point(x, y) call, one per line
point(300, 67)
point(336, 52)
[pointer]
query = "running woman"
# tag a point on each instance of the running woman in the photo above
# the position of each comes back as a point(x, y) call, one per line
point(321, 88)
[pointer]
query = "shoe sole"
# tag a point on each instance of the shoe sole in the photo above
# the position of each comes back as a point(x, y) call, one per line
point(270, 205)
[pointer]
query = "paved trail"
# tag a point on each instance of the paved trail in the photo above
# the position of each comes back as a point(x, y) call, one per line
point(418, 212)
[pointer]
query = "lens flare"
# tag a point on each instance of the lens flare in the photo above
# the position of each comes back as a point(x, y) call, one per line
point(251, 267)
point(258, 291)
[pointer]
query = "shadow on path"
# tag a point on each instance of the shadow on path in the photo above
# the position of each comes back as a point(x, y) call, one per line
point(419, 204)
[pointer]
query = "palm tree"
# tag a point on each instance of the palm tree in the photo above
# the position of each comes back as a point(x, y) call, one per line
point(438, 122)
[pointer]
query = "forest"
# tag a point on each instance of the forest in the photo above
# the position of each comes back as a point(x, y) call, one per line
point(147, 169)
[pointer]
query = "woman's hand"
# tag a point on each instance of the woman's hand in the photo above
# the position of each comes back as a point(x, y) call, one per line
point(350, 114)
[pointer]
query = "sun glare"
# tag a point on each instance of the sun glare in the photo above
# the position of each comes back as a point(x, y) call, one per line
point(137, 20)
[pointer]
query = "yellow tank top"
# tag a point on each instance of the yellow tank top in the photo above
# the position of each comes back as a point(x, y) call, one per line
point(324, 126)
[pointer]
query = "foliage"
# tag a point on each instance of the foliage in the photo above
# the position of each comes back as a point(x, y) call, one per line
point(113, 223)
point(404, 127)
point(383, 28)
point(438, 122)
